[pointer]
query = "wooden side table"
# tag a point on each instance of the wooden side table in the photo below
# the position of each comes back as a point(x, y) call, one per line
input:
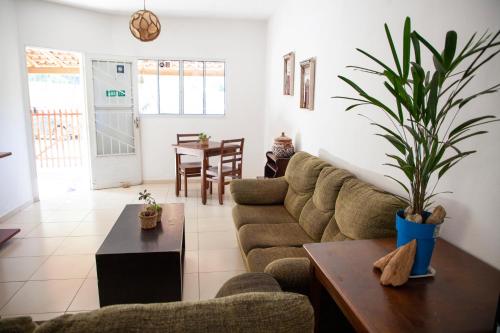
point(462, 297)
point(275, 166)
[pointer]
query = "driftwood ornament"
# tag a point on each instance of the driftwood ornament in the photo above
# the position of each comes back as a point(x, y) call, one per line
point(437, 216)
point(396, 266)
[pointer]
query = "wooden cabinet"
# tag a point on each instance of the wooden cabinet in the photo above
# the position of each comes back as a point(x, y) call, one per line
point(275, 166)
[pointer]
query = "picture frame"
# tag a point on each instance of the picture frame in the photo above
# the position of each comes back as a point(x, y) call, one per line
point(288, 73)
point(307, 79)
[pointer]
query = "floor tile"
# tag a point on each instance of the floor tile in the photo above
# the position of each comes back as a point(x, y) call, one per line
point(37, 316)
point(210, 283)
point(221, 260)
point(7, 290)
point(42, 297)
point(52, 230)
point(191, 262)
point(105, 216)
point(215, 224)
point(211, 210)
point(65, 267)
point(87, 297)
point(190, 288)
point(25, 216)
point(191, 224)
point(26, 228)
point(93, 272)
point(19, 269)
point(191, 241)
point(92, 229)
point(30, 247)
point(80, 245)
point(217, 240)
point(75, 215)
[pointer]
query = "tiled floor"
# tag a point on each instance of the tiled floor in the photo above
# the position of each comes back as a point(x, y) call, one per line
point(49, 268)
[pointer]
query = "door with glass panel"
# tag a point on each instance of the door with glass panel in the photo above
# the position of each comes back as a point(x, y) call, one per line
point(113, 122)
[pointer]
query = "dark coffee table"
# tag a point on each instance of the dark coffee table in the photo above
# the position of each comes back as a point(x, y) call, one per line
point(142, 266)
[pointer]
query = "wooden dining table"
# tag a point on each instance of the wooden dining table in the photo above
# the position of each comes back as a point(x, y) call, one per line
point(204, 152)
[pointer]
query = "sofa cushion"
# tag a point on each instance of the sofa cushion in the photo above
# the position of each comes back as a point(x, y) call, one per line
point(363, 211)
point(244, 214)
point(301, 174)
point(332, 232)
point(258, 259)
point(320, 208)
point(259, 191)
point(248, 282)
point(253, 236)
point(249, 312)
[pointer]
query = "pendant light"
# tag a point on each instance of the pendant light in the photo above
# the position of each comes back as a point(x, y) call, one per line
point(144, 25)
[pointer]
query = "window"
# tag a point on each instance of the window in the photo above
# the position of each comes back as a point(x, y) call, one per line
point(148, 83)
point(181, 87)
point(169, 86)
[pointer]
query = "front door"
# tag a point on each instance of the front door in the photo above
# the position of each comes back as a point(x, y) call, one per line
point(113, 122)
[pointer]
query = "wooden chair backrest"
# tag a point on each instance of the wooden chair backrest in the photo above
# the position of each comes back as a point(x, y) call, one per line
point(232, 154)
point(187, 138)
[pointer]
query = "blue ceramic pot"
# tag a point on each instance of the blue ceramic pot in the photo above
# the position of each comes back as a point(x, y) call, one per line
point(425, 234)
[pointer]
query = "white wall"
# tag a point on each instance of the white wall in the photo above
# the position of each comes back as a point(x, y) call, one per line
point(15, 175)
point(240, 43)
point(330, 31)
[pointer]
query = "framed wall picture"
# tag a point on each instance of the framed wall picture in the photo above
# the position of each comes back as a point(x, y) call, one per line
point(307, 78)
point(288, 73)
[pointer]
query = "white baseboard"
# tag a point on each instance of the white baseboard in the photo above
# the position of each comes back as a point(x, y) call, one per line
point(14, 211)
point(168, 181)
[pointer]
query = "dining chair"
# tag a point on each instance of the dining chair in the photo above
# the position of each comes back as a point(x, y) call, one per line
point(186, 169)
point(230, 166)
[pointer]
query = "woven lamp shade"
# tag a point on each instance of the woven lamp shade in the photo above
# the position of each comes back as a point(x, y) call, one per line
point(144, 25)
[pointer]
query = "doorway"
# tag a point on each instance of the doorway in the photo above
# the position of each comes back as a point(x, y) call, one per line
point(58, 117)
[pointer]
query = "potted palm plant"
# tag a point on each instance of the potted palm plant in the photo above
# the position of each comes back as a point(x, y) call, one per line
point(151, 214)
point(424, 128)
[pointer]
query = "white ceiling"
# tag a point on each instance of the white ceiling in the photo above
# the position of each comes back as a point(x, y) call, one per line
point(249, 9)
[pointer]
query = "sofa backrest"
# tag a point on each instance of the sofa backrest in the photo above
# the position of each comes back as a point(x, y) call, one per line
point(301, 174)
point(248, 312)
point(319, 209)
point(362, 212)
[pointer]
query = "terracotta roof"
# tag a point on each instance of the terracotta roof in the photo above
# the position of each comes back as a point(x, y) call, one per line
point(51, 61)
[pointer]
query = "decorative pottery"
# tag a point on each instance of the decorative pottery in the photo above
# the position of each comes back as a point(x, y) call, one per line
point(148, 221)
point(204, 142)
point(425, 234)
point(283, 146)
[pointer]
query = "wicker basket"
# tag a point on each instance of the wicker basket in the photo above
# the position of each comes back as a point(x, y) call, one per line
point(148, 222)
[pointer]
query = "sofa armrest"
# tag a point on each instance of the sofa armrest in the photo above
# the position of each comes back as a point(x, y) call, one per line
point(259, 191)
point(293, 274)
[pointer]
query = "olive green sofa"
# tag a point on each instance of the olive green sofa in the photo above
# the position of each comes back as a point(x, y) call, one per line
point(250, 302)
point(314, 202)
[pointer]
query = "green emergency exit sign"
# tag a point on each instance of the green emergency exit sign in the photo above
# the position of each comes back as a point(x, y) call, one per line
point(115, 93)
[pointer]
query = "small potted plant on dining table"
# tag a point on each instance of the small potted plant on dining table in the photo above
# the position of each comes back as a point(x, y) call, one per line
point(203, 137)
point(151, 214)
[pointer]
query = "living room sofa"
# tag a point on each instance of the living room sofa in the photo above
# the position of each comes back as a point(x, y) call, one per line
point(249, 302)
point(314, 202)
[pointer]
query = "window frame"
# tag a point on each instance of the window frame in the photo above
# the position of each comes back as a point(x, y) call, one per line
point(181, 87)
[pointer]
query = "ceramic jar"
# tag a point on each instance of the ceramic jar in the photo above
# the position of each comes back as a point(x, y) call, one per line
point(283, 146)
